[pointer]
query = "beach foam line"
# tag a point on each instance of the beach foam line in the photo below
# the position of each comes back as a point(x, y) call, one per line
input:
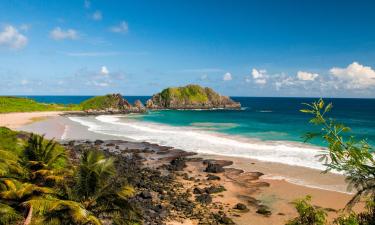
point(195, 140)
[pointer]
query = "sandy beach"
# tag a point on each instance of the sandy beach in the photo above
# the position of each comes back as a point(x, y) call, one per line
point(15, 120)
point(277, 188)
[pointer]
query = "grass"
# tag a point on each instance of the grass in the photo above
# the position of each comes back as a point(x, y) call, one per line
point(9, 140)
point(18, 104)
point(99, 102)
point(190, 94)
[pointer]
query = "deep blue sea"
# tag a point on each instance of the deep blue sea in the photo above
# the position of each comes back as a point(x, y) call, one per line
point(265, 118)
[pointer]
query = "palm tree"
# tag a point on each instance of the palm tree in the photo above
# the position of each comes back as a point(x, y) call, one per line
point(39, 186)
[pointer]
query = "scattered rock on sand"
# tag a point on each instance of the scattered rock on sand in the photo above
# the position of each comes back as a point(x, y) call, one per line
point(214, 168)
point(204, 199)
point(240, 206)
point(213, 177)
point(215, 189)
point(177, 164)
point(264, 210)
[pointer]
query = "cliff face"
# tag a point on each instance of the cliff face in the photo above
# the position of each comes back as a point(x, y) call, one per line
point(190, 97)
point(111, 103)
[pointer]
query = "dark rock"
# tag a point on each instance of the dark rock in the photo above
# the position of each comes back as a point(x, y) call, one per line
point(204, 199)
point(146, 195)
point(213, 177)
point(264, 210)
point(98, 142)
point(223, 219)
point(215, 189)
point(214, 168)
point(240, 206)
point(177, 164)
point(198, 191)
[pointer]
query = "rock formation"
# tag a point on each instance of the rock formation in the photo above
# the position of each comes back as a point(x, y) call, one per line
point(190, 97)
point(111, 104)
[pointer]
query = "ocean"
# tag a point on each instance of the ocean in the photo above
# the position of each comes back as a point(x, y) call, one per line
point(267, 128)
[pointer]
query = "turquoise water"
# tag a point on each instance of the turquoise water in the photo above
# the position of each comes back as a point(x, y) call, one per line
point(265, 118)
point(273, 118)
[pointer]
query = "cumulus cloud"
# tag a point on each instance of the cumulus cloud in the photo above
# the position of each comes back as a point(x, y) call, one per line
point(11, 38)
point(284, 81)
point(227, 76)
point(306, 76)
point(59, 34)
point(121, 28)
point(97, 15)
point(355, 75)
point(104, 71)
point(259, 76)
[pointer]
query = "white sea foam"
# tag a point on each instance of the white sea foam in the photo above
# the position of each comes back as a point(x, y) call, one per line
point(207, 142)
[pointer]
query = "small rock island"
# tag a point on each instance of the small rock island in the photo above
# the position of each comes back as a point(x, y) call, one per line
point(111, 104)
point(190, 97)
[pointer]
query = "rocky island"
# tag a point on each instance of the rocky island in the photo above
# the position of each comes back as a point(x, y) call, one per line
point(111, 104)
point(190, 97)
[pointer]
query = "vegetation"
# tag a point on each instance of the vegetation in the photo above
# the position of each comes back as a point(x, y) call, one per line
point(349, 156)
point(308, 214)
point(18, 104)
point(190, 97)
point(190, 93)
point(114, 101)
point(40, 185)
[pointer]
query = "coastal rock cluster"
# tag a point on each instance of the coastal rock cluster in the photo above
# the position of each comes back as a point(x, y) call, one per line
point(190, 97)
point(174, 185)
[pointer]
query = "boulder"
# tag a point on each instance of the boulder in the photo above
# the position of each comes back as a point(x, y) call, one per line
point(240, 206)
point(213, 177)
point(204, 199)
point(214, 168)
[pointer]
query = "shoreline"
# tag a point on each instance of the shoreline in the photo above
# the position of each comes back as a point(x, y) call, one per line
point(60, 127)
point(277, 193)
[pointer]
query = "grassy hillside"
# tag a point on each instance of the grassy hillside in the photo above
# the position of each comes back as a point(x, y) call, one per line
point(190, 93)
point(18, 104)
point(114, 101)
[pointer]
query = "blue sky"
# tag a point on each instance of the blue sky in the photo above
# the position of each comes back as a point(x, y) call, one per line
point(240, 48)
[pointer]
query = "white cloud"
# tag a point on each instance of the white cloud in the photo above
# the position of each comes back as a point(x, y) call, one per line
point(204, 77)
point(121, 28)
point(58, 34)
point(10, 37)
point(97, 15)
point(284, 81)
point(301, 75)
point(260, 81)
point(227, 76)
point(259, 76)
point(355, 76)
point(104, 71)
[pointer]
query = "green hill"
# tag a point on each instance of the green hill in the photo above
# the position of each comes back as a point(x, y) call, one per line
point(18, 104)
point(111, 103)
point(190, 97)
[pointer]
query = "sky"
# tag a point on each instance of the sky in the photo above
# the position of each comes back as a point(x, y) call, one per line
point(299, 48)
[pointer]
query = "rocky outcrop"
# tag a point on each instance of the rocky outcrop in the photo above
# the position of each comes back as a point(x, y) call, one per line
point(111, 104)
point(190, 97)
